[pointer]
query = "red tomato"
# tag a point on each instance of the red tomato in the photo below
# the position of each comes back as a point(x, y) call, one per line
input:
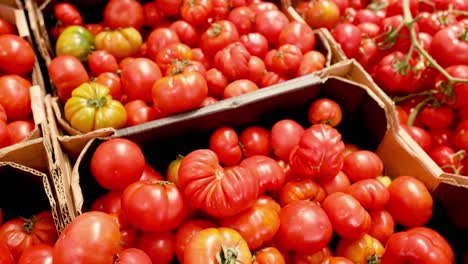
point(7, 28)
point(160, 38)
point(304, 227)
point(420, 136)
point(349, 38)
point(4, 135)
point(336, 260)
point(433, 22)
point(417, 245)
point(362, 164)
point(243, 18)
point(133, 256)
point(14, 97)
point(271, 78)
point(255, 43)
point(268, 255)
point(285, 135)
point(94, 28)
point(216, 82)
point(173, 52)
point(186, 232)
point(257, 69)
point(138, 113)
point(410, 202)
point(112, 81)
point(66, 73)
point(284, 60)
point(67, 14)
point(402, 42)
point(198, 55)
point(5, 255)
point(186, 32)
point(339, 183)
point(20, 130)
point(117, 163)
point(258, 224)
point(259, 6)
point(181, 66)
point(110, 203)
point(218, 191)
point(152, 14)
point(37, 254)
point(299, 34)
point(138, 77)
point(208, 101)
point(350, 148)
point(325, 111)
point(361, 250)
point(366, 16)
point(319, 153)
point(270, 24)
point(233, 61)
point(370, 30)
point(255, 140)
point(441, 136)
point(460, 140)
point(395, 7)
point(3, 115)
point(348, 217)
point(217, 36)
point(368, 54)
point(452, 42)
point(460, 90)
point(297, 190)
point(179, 93)
point(239, 87)
point(95, 232)
point(446, 158)
point(312, 61)
point(269, 174)
point(225, 143)
point(312, 258)
point(16, 47)
point(371, 194)
point(196, 12)
point(149, 173)
point(390, 75)
point(437, 117)
point(100, 61)
point(160, 247)
point(164, 207)
point(382, 226)
point(323, 13)
point(123, 13)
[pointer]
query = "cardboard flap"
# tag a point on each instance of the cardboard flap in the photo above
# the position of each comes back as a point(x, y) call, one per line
point(30, 154)
point(37, 104)
point(455, 180)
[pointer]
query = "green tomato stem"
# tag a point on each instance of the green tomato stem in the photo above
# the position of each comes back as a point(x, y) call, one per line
point(412, 116)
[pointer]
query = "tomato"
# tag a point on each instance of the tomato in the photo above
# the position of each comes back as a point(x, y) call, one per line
point(150, 174)
point(267, 171)
point(445, 157)
point(94, 28)
point(224, 141)
point(255, 43)
point(433, 22)
point(110, 203)
point(339, 183)
point(133, 256)
point(218, 191)
point(221, 8)
point(270, 24)
point(14, 97)
point(304, 189)
point(186, 32)
point(390, 75)
point(336, 260)
point(173, 52)
point(239, 87)
point(95, 232)
point(285, 135)
point(123, 167)
point(186, 232)
point(138, 113)
point(255, 140)
point(420, 136)
point(368, 54)
point(304, 227)
point(90, 107)
point(323, 13)
point(101, 61)
point(441, 136)
point(417, 245)
point(312, 61)
point(112, 81)
point(123, 13)
point(325, 111)
point(163, 199)
point(284, 60)
point(395, 7)
point(371, 193)
point(121, 43)
point(268, 255)
point(349, 38)
point(312, 258)
point(271, 78)
point(18, 48)
point(257, 69)
point(261, 6)
point(233, 61)
point(382, 226)
point(403, 42)
point(216, 82)
point(37, 254)
point(66, 73)
point(196, 12)
point(452, 42)
point(319, 153)
point(217, 36)
point(370, 30)
point(360, 250)
point(348, 217)
point(160, 38)
point(20, 130)
point(460, 140)
point(169, 7)
point(67, 14)
point(138, 77)
point(460, 90)
point(160, 247)
point(152, 15)
point(350, 148)
point(5, 255)
point(21, 233)
point(362, 164)
point(258, 224)
point(4, 135)
point(76, 41)
point(299, 34)
point(7, 28)
point(208, 101)
point(366, 16)
point(243, 18)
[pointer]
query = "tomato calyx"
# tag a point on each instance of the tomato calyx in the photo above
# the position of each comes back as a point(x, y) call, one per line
point(215, 30)
point(179, 66)
point(227, 255)
point(377, 5)
point(373, 259)
point(464, 35)
point(97, 102)
point(389, 38)
point(28, 224)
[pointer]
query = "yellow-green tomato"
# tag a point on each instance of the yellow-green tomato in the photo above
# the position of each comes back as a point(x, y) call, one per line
point(90, 107)
point(76, 41)
point(121, 43)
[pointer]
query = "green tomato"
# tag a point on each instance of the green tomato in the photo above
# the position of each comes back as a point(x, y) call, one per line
point(76, 41)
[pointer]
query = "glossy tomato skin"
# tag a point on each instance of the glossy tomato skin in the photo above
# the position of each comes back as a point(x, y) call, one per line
point(225, 143)
point(269, 174)
point(186, 232)
point(4, 135)
point(95, 232)
point(299, 34)
point(255, 43)
point(268, 255)
point(20, 130)
point(382, 226)
point(112, 81)
point(101, 61)
point(209, 243)
point(360, 250)
point(216, 82)
point(285, 60)
point(460, 90)
point(348, 217)
point(410, 202)
point(297, 190)
point(239, 87)
point(257, 69)
point(14, 97)
point(122, 42)
point(138, 77)
point(349, 38)
point(417, 245)
point(123, 13)
point(123, 167)
point(233, 61)
point(160, 247)
point(7, 28)
point(66, 73)
point(20, 233)
point(243, 17)
point(16, 47)
point(152, 14)
point(173, 52)
point(37, 254)
point(362, 164)
point(387, 75)
point(186, 32)
point(450, 47)
point(323, 13)
point(138, 112)
point(313, 257)
point(76, 41)
point(217, 36)
point(319, 153)
point(255, 140)
point(336, 260)
point(159, 38)
point(285, 134)
point(217, 191)
point(421, 136)
point(339, 183)
point(304, 227)
point(325, 111)
point(371, 193)
point(5, 255)
point(110, 203)
point(270, 24)
point(133, 256)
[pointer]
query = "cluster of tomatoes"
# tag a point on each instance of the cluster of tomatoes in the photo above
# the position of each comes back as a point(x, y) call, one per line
point(287, 194)
point(432, 109)
point(28, 240)
point(16, 65)
point(166, 57)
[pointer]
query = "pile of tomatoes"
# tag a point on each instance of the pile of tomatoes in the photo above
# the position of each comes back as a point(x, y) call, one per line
point(160, 58)
point(289, 193)
point(432, 109)
point(16, 65)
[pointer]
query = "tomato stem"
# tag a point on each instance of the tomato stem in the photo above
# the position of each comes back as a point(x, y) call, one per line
point(412, 116)
point(464, 35)
point(227, 255)
point(398, 99)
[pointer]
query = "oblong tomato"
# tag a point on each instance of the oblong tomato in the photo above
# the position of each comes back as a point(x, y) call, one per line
point(269, 174)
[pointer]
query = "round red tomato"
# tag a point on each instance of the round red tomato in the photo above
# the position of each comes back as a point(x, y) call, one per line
point(160, 38)
point(239, 87)
point(371, 194)
point(271, 78)
point(422, 138)
point(233, 61)
point(123, 13)
point(95, 232)
point(67, 14)
point(138, 77)
point(391, 74)
point(382, 226)
point(285, 135)
point(13, 46)
point(117, 163)
point(37, 254)
point(336, 260)
point(20, 130)
point(362, 164)
point(173, 52)
point(133, 256)
point(410, 202)
point(255, 140)
point(14, 96)
point(5, 255)
point(196, 12)
point(243, 18)
point(269, 174)
point(112, 81)
point(7, 28)
point(297, 190)
point(446, 158)
point(186, 232)
point(284, 60)
point(349, 38)
point(268, 255)
point(110, 203)
point(160, 247)
point(313, 257)
point(225, 143)
point(304, 227)
point(101, 61)
point(220, 34)
point(437, 117)
point(299, 34)
point(138, 112)
point(216, 82)
point(270, 24)
point(66, 73)
point(323, 13)
point(152, 14)
point(255, 43)
point(312, 61)
point(325, 111)
point(449, 46)
point(186, 32)
point(4, 135)
point(218, 191)
point(257, 69)
point(460, 90)
point(339, 183)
